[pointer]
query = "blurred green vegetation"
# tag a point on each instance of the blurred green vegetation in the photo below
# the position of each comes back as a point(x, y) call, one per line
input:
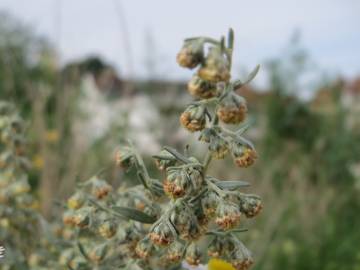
point(319, 228)
point(305, 172)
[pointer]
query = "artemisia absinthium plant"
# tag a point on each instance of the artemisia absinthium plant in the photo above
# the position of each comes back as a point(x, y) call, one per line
point(17, 219)
point(20, 222)
point(159, 224)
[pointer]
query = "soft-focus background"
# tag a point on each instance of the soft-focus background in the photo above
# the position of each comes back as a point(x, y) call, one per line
point(87, 74)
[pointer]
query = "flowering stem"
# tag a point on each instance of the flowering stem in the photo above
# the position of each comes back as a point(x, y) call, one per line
point(141, 164)
point(208, 156)
point(206, 101)
point(176, 154)
point(215, 188)
point(207, 161)
point(229, 132)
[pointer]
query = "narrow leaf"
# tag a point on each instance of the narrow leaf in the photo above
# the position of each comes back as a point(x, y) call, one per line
point(238, 230)
point(142, 179)
point(232, 184)
point(231, 39)
point(244, 128)
point(250, 77)
point(82, 250)
point(176, 154)
point(134, 214)
point(216, 233)
point(172, 228)
point(162, 157)
point(222, 44)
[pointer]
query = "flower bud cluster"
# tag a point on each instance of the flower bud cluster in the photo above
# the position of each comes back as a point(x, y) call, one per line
point(183, 180)
point(191, 54)
point(196, 201)
point(229, 248)
point(19, 217)
point(202, 89)
point(158, 224)
point(193, 118)
point(218, 144)
point(124, 157)
point(164, 160)
point(210, 200)
point(224, 209)
point(232, 109)
point(14, 184)
point(185, 222)
point(193, 254)
point(89, 213)
point(212, 86)
point(144, 248)
point(214, 66)
point(244, 155)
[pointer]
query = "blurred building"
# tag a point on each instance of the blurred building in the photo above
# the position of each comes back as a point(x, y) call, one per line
point(351, 100)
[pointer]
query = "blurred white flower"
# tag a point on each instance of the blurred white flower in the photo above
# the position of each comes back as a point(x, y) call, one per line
point(138, 113)
point(2, 252)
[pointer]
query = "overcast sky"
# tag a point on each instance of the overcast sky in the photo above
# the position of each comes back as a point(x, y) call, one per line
point(329, 28)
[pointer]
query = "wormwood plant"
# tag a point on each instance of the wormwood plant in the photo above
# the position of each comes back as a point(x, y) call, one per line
point(190, 215)
point(28, 241)
point(17, 220)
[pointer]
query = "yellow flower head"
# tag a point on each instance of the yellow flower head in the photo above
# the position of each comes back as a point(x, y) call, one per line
point(52, 136)
point(216, 264)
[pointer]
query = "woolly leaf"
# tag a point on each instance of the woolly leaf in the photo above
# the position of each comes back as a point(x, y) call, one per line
point(134, 214)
